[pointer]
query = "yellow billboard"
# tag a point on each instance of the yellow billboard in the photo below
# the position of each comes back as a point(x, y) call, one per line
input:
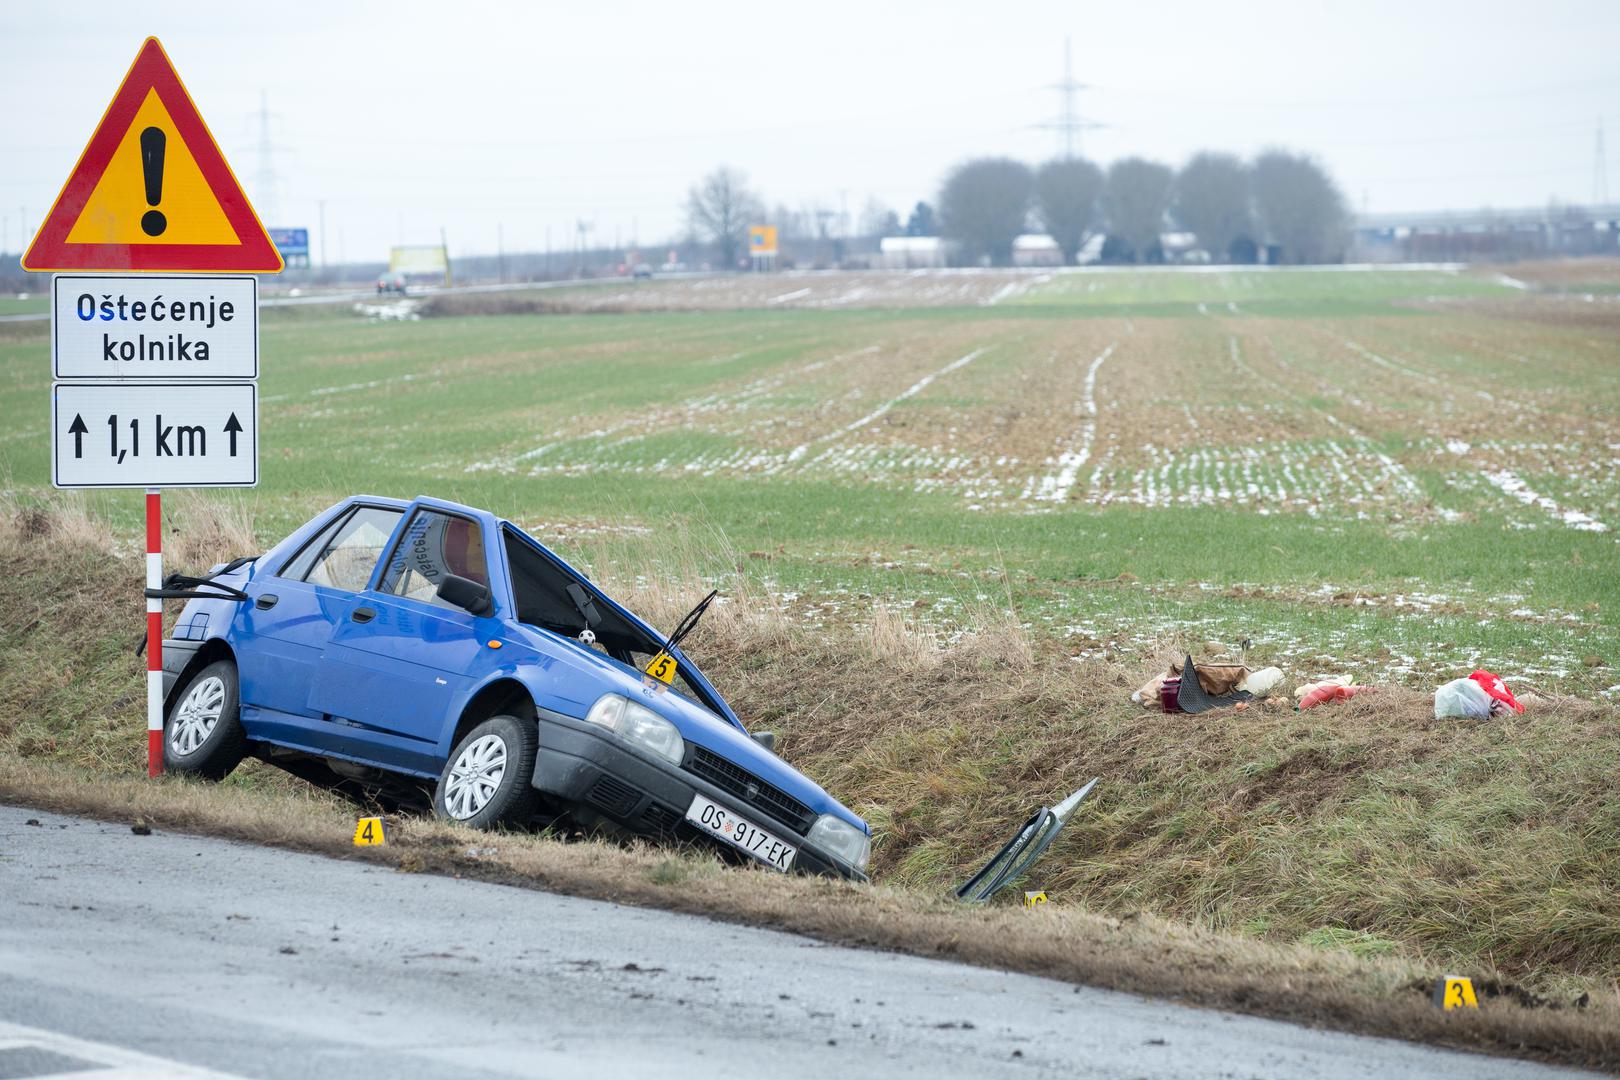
point(762, 240)
point(419, 260)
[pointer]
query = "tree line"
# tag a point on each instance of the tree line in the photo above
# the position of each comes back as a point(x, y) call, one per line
point(1281, 204)
point(1279, 207)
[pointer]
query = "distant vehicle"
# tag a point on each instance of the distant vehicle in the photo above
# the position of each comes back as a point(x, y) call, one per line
point(642, 270)
point(391, 283)
point(408, 646)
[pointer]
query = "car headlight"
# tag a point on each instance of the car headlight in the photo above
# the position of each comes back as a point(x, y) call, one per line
point(639, 726)
point(839, 837)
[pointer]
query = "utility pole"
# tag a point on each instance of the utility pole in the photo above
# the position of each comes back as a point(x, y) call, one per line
point(266, 179)
point(1069, 122)
point(500, 249)
point(1600, 170)
point(322, 205)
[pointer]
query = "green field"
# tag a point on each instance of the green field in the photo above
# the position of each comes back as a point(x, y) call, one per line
point(1398, 474)
point(24, 304)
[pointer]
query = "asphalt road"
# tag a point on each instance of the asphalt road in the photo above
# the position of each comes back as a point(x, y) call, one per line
point(146, 955)
point(418, 292)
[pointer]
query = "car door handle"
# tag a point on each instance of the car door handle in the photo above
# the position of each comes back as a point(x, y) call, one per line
point(363, 614)
point(266, 601)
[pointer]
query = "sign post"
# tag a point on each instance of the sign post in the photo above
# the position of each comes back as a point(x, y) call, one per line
point(156, 375)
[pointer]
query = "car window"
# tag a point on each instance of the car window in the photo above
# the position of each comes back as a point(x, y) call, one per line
point(346, 559)
point(433, 546)
point(298, 566)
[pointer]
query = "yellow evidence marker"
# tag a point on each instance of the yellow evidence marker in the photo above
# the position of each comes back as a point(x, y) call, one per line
point(1033, 898)
point(662, 667)
point(1454, 992)
point(369, 831)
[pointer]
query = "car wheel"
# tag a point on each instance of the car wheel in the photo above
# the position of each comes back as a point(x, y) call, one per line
point(202, 735)
point(487, 781)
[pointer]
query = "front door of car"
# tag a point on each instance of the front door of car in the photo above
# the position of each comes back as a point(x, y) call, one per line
point(400, 658)
point(284, 630)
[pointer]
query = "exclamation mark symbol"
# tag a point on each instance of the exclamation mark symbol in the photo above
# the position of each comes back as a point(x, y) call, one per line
point(152, 143)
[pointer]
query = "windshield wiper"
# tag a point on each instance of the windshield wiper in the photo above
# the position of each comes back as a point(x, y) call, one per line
point(689, 623)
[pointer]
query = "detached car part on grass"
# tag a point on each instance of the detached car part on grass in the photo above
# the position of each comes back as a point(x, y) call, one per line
point(428, 643)
point(1027, 845)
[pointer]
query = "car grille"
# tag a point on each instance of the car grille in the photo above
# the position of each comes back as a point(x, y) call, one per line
point(767, 798)
point(661, 819)
point(613, 796)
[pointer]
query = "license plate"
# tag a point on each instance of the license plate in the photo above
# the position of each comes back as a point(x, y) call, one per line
point(717, 820)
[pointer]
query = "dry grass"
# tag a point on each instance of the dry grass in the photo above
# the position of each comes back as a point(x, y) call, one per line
point(65, 522)
point(219, 526)
point(1313, 865)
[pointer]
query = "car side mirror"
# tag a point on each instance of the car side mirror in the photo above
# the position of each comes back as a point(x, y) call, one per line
point(767, 739)
point(467, 594)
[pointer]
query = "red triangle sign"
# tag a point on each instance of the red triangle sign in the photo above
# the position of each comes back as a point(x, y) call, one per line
point(151, 190)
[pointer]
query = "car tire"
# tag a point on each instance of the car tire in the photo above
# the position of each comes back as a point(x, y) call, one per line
point(488, 781)
point(202, 735)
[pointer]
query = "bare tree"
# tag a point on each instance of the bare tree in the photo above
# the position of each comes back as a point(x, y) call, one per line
point(1212, 200)
point(1066, 192)
point(878, 220)
point(984, 205)
point(791, 224)
point(1136, 197)
point(719, 208)
point(1302, 209)
point(921, 221)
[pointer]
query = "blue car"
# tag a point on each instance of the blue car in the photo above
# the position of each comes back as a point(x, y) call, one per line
point(430, 644)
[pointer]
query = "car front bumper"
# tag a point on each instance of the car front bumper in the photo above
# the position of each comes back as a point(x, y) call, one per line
point(595, 771)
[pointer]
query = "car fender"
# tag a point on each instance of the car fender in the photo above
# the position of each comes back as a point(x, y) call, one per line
point(540, 675)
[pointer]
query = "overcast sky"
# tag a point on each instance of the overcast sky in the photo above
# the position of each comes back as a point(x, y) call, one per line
point(526, 117)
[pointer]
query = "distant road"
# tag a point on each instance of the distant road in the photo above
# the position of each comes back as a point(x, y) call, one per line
point(354, 296)
point(142, 954)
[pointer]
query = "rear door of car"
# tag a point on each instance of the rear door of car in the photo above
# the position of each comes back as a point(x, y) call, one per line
point(281, 635)
point(400, 659)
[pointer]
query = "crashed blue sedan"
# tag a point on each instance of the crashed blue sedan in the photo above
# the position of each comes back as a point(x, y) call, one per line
point(432, 644)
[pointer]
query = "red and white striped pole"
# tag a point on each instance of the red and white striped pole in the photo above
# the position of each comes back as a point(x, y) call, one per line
point(154, 633)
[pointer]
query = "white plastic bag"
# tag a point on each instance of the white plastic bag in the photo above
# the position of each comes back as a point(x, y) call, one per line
point(1462, 698)
point(1262, 682)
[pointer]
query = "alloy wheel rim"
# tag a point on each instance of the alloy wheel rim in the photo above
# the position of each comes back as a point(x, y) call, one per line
point(475, 776)
point(194, 720)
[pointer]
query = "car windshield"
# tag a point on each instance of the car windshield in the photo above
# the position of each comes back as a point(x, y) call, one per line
point(540, 588)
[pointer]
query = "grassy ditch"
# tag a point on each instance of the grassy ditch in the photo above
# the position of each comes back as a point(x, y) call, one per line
point(1316, 866)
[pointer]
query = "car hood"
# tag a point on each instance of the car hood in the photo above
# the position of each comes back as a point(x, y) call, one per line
point(595, 674)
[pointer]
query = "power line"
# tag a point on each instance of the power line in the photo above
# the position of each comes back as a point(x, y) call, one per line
point(1069, 122)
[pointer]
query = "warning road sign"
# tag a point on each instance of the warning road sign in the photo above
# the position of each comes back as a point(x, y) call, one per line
point(154, 435)
point(155, 326)
point(151, 190)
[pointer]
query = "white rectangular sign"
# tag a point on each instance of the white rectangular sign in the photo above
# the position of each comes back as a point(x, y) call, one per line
point(155, 326)
point(154, 435)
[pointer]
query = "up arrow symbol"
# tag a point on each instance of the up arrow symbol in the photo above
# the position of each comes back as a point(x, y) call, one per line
point(78, 430)
point(233, 426)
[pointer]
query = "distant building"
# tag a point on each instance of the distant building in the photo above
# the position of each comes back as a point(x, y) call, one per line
point(1036, 249)
point(1487, 235)
point(909, 253)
